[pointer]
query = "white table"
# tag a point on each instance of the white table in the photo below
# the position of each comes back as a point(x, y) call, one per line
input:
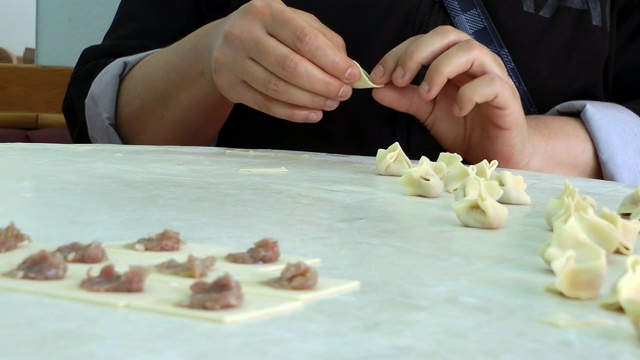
point(430, 288)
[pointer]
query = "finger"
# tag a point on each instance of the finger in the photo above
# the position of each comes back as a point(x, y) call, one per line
point(383, 71)
point(306, 40)
point(404, 99)
point(492, 89)
point(463, 62)
point(407, 60)
point(286, 66)
point(334, 38)
point(274, 107)
point(273, 86)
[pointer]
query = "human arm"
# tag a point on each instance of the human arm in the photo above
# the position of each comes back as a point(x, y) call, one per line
point(489, 122)
point(270, 57)
point(159, 115)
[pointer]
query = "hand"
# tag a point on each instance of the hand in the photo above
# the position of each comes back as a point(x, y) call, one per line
point(281, 61)
point(466, 100)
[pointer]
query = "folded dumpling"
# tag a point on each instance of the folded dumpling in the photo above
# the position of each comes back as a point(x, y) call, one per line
point(513, 188)
point(392, 161)
point(626, 287)
point(481, 212)
point(630, 205)
point(425, 179)
point(470, 189)
point(485, 169)
point(457, 174)
point(557, 204)
point(597, 230)
point(364, 82)
point(449, 159)
point(627, 230)
point(579, 273)
point(566, 236)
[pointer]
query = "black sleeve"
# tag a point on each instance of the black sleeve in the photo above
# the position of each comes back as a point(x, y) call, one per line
point(625, 87)
point(138, 26)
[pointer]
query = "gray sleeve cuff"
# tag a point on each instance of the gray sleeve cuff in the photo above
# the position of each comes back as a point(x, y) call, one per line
point(615, 131)
point(100, 106)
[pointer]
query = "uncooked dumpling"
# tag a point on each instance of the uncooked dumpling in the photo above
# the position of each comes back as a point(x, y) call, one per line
point(482, 212)
point(627, 230)
point(485, 169)
point(392, 161)
point(513, 188)
point(425, 179)
point(597, 230)
point(449, 159)
point(364, 82)
point(471, 188)
point(626, 287)
point(630, 205)
point(566, 236)
point(457, 174)
point(556, 204)
point(579, 275)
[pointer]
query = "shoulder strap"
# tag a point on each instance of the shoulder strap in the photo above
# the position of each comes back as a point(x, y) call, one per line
point(471, 17)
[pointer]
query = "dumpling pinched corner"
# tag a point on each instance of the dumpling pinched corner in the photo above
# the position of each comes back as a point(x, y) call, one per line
point(630, 205)
point(392, 161)
point(513, 188)
point(569, 193)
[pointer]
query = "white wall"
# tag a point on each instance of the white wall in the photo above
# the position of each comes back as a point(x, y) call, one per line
point(66, 27)
point(18, 25)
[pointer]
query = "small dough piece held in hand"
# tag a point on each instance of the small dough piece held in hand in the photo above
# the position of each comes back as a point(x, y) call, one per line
point(392, 161)
point(364, 82)
point(482, 212)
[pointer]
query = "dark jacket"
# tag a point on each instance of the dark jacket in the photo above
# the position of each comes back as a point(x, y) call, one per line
point(586, 51)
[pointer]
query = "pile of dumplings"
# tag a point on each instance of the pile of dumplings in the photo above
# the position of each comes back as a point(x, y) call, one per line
point(480, 191)
point(581, 242)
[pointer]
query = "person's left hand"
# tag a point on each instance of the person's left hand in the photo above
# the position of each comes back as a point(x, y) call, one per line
point(466, 100)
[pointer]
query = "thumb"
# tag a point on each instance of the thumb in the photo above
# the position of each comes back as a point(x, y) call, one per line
point(405, 99)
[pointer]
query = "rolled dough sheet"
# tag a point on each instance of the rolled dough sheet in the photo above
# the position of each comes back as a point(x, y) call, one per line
point(566, 321)
point(325, 287)
point(115, 250)
point(268, 154)
point(254, 307)
point(275, 170)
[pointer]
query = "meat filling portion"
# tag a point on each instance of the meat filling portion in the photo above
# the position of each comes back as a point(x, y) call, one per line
point(223, 293)
point(295, 276)
point(194, 267)
point(109, 280)
point(264, 251)
point(167, 240)
point(80, 253)
point(11, 237)
point(41, 266)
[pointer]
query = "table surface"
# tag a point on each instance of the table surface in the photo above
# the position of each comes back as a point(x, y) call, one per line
point(430, 288)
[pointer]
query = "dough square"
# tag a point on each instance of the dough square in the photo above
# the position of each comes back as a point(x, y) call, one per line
point(253, 307)
point(324, 288)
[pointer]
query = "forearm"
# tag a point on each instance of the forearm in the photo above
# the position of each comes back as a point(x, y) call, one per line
point(170, 98)
point(562, 145)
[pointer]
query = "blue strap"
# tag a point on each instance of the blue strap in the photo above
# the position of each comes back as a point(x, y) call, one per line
point(471, 17)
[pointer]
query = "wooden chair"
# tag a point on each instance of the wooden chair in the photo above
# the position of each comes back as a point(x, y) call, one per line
point(31, 103)
point(7, 57)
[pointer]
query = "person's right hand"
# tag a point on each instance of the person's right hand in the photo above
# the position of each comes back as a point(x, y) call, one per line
point(280, 61)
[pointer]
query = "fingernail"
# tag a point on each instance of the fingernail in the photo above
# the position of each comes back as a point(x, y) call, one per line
point(398, 73)
point(313, 117)
point(344, 91)
point(331, 104)
point(424, 88)
point(378, 72)
point(351, 72)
